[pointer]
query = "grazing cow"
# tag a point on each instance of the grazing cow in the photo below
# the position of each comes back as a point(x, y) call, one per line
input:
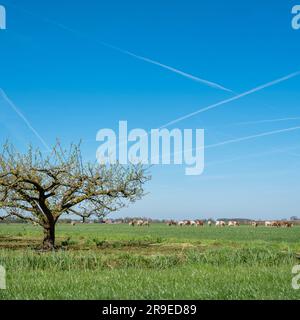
point(284, 224)
point(73, 223)
point(233, 224)
point(181, 223)
point(193, 223)
point(131, 223)
point(209, 223)
point(146, 223)
point(277, 224)
point(289, 225)
point(254, 224)
point(187, 222)
point(171, 223)
point(272, 224)
point(35, 224)
point(220, 224)
point(199, 223)
point(140, 223)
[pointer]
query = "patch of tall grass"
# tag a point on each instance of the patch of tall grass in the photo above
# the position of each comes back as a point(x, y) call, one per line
point(92, 260)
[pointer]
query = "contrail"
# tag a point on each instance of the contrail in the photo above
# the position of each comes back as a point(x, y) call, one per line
point(245, 123)
point(223, 102)
point(254, 155)
point(126, 52)
point(21, 115)
point(265, 134)
point(182, 73)
point(265, 121)
point(237, 97)
point(232, 141)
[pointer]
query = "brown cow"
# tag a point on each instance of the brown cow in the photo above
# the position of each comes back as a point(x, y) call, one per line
point(287, 224)
point(277, 224)
point(199, 223)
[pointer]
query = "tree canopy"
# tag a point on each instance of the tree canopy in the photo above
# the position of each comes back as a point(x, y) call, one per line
point(40, 187)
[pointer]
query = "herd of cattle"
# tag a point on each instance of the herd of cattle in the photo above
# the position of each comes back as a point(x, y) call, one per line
point(279, 224)
point(201, 223)
point(219, 223)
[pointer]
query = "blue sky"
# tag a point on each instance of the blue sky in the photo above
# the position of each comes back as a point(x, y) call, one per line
point(55, 69)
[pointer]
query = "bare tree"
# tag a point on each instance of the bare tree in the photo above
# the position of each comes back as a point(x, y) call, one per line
point(41, 188)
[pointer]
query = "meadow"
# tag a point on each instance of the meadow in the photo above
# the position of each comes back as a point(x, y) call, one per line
point(160, 262)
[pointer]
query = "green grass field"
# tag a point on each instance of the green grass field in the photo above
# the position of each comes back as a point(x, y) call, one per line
point(160, 262)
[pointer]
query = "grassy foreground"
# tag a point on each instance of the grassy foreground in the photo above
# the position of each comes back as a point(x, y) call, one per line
point(160, 262)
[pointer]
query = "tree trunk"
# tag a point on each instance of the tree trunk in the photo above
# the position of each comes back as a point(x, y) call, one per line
point(49, 236)
point(83, 219)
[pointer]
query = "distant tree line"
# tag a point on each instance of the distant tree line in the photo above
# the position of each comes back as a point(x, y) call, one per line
point(68, 220)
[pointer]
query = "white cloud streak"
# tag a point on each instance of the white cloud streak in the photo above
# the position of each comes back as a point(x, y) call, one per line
point(182, 73)
point(126, 52)
point(226, 101)
point(265, 121)
point(265, 134)
point(254, 155)
point(25, 120)
point(237, 140)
